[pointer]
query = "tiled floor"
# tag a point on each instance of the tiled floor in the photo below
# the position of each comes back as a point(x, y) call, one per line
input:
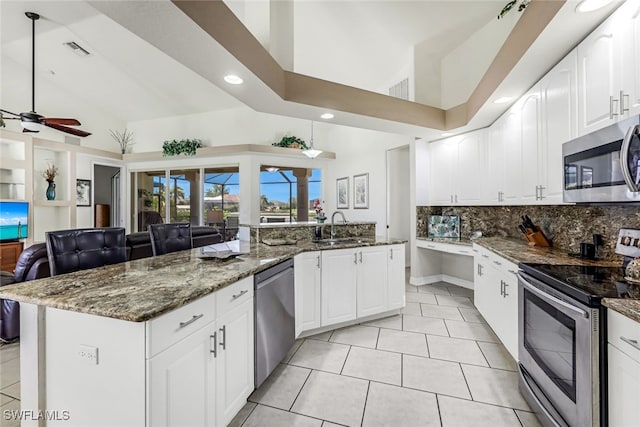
point(9, 382)
point(437, 364)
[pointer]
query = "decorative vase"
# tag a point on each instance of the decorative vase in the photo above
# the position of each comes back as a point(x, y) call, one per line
point(320, 219)
point(51, 190)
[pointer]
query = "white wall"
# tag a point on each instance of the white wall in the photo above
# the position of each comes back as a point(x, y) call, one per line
point(84, 170)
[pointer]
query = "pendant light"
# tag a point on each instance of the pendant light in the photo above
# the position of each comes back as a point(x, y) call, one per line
point(311, 152)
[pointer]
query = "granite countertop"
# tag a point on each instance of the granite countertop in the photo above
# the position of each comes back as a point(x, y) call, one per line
point(626, 307)
point(146, 288)
point(305, 224)
point(444, 240)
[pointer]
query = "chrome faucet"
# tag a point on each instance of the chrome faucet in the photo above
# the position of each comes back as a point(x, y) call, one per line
point(333, 216)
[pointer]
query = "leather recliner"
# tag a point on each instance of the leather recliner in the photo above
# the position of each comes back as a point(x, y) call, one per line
point(80, 249)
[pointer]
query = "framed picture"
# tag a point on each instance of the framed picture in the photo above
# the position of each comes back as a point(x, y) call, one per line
point(83, 192)
point(361, 191)
point(342, 193)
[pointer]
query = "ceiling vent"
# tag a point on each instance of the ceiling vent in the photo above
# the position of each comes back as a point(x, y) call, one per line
point(77, 49)
point(400, 90)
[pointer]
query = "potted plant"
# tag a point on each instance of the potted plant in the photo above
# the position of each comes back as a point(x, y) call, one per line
point(184, 146)
point(124, 139)
point(291, 142)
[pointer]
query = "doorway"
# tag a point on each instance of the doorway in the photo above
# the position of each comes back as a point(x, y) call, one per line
point(398, 197)
point(106, 196)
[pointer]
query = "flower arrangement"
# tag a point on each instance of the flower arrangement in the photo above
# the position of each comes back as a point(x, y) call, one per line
point(50, 172)
point(124, 139)
point(317, 205)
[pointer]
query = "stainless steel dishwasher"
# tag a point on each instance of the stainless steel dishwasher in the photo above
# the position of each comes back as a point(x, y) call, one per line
point(274, 317)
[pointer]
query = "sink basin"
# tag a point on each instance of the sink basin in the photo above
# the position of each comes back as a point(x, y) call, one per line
point(347, 240)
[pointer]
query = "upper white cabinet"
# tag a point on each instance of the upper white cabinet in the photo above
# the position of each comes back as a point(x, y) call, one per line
point(443, 156)
point(531, 142)
point(512, 146)
point(608, 70)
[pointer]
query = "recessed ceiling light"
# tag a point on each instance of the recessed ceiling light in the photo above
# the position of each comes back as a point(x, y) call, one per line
point(327, 116)
point(503, 100)
point(447, 134)
point(591, 5)
point(233, 79)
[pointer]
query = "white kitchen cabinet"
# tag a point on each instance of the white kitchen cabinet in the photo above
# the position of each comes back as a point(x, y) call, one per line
point(234, 364)
point(308, 268)
point(512, 156)
point(339, 273)
point(182, 382)
point(395, 277)
point(624, 370)
point(493, 192)
point(443, 156)
point(371, 280)
point(530, 138)
point(496, 295)
point(630, 87)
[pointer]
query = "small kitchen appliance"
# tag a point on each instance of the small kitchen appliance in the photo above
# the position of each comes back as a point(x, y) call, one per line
point(562, 336)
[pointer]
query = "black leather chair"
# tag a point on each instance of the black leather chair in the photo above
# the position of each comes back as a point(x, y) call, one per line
point(139, 244)
point(80, 249)
point(172, 237)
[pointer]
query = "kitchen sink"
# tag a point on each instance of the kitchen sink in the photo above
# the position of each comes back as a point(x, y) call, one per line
point(346, 240)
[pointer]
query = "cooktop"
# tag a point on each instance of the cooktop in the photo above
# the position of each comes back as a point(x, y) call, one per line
point(588, 284)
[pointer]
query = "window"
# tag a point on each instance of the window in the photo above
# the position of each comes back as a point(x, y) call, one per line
point(280, 189)
point(221, 199)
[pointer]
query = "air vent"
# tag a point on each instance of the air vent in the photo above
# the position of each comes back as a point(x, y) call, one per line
point(71, 140)
point(400, 90)
point(77, 49)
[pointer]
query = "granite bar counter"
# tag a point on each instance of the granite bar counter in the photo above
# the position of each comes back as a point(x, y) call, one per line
point(146, 288)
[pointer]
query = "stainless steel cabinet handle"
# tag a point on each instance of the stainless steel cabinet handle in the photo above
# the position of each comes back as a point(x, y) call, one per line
point(537, 189)
point(390, 253)
point(485, 256)
point(479, 269)
point(463, 252)
point(497, 262)
point(541, 188)
point(632, 343)
point(504, 289)
point(239, 295)
point(190, 321)
point(318, 261)
point(451, 196)
point(223, 341)
point(456, 198)
point(513, 272)
point(355, 257)
point(475, 250)
point(360, 257)
point(213, 350)
point(612, 111)
point(622, 97)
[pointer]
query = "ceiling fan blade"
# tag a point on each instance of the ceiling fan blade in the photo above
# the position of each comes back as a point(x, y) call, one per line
point(72, 131)
point(9, 112)
point(11, 118)
point(25, 130)
point(59, 121)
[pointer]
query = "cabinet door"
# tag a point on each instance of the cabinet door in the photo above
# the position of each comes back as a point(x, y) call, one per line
point(493, 192)
point(512, 156)
point(307, 291)
point(483, 297)
point(443, 155)
point(558, 91)
point(624, 389)
point(372, 281)
point(338, 286)
point(234, 363)
point(396, 277)
point(182, 382)
point(471, 165)
point(530, 140)
point(598, 77)
point(631, 59)
point(508, 323)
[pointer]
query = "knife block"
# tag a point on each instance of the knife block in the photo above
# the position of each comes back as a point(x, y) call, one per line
point(537, 238)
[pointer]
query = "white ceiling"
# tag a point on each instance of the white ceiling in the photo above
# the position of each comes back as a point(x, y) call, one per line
point(147, 58)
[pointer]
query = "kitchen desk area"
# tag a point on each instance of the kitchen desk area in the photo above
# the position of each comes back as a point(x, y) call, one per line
point(167, 338)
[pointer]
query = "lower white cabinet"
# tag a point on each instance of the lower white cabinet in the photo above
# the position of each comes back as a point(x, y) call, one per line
point(339, 275)
point(496, 295)
point(307, 269)
point(623, 336)
point(371, 281)
point(395, 277)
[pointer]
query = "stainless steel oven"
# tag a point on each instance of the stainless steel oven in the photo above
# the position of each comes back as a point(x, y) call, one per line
point(559, 355)
point(604, 166)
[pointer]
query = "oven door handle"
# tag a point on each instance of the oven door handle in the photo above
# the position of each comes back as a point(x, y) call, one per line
point(624, 158)
point(533, 289)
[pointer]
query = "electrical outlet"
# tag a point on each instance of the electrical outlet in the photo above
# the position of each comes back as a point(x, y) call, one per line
point(88, 354)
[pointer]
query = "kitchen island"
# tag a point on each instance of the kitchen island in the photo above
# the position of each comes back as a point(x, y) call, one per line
point(147, 342)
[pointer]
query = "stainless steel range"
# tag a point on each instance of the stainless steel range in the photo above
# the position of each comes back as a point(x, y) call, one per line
point(562, 340)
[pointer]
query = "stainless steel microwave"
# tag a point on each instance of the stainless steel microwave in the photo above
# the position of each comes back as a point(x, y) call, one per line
point(604, 166)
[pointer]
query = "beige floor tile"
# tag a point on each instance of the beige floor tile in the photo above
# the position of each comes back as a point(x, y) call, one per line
point(421, 297)
point(494, 386)
point(471, 315)
point(325, 356)
point(282, 387)
point(412, 308)
point(497, 356)
point(392, 322)
point(432, 375)
point(458, 413)
point(292, 351)
point(388, 405)
point(242, 416)
point(334, 398)
point(362, 336)
point(528, 419)
point(9, 351)
point(403, 342)
point(425, 325)
point(454, 301)
point(264, 416)
point(328, 424)
point(455, 350)
point(9, 373)
point(12, 390)
point(440, 312)
point(410, 288)
point(4, 399)
point(460, 291)
point(324, 336)
point(12, 407)
point(471, 331)
point(375, 365)
point(431, 289)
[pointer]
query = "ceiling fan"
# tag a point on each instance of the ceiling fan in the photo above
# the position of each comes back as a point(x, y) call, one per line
point(32, 121)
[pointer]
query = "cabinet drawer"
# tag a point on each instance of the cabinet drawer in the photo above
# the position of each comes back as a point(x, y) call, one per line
point(168, 329)
point(234, 295)
point(619, 327)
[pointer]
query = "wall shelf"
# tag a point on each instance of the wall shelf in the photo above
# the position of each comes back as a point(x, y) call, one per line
point(52, 203)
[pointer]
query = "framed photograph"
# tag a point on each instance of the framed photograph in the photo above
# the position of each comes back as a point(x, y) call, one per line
point(83, 192)
point(443, 226)
point(342, 193)
point(361, 191)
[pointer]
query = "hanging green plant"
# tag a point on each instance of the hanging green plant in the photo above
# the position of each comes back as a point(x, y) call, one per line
point(291, 142)
point(184, 146)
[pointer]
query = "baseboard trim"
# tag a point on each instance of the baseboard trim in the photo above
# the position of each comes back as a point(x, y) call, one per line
point(435, 278)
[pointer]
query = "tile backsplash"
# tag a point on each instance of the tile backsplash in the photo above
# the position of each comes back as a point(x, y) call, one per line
point(565, 226)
